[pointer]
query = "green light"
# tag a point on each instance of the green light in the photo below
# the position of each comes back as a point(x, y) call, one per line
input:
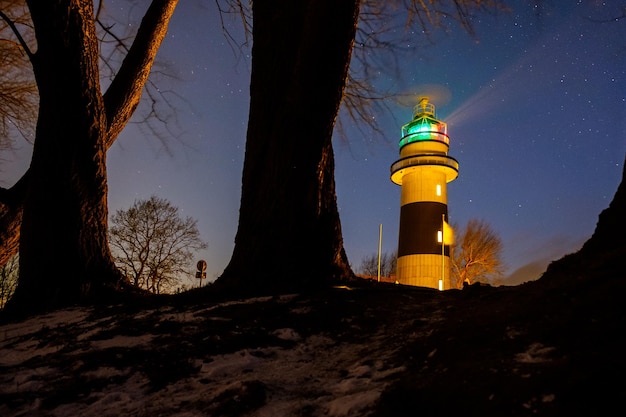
point(424, 128)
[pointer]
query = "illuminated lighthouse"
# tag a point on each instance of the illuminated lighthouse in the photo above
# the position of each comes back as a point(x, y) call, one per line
point(423, 171)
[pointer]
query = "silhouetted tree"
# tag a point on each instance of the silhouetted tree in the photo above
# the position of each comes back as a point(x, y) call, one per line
point(289, 234)
point(477, 255)
point(153, 244)
point(65, 189)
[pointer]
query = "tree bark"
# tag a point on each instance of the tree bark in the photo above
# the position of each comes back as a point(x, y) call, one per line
point(289, 232)
point(64, 252)
point(63, 242)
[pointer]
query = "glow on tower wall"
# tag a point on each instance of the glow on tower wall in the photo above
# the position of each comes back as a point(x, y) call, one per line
point(423, 172)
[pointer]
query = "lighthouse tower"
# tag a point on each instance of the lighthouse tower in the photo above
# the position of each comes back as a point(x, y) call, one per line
point(423, 171)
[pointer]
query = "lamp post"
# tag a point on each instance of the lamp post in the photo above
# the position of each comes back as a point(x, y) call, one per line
point(380, 246)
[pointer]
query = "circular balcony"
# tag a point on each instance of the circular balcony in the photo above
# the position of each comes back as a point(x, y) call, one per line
point(444, 163)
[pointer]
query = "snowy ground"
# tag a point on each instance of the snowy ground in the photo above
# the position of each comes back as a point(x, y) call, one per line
point(341, 353)
point(48, 359)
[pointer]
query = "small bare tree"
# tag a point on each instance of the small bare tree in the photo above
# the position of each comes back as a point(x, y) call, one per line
point(477, 255)
point(152, 244)
point(369, 264)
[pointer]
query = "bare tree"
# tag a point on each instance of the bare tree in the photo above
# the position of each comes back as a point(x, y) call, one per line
point(8, 280)
point(477, 255)
point(153, 244)
point(369, 264)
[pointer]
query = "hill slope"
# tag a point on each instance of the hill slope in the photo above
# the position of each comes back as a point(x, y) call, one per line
point(552, 347)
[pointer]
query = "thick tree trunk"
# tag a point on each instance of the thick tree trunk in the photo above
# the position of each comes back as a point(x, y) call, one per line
point(289, 233)
point(63, 244)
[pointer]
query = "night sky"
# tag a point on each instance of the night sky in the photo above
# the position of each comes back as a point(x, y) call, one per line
point(536, 113)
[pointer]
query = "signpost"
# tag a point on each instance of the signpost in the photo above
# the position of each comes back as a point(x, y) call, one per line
point(201, 272)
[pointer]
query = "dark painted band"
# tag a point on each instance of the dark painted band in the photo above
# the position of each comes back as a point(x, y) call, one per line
point(419, 224)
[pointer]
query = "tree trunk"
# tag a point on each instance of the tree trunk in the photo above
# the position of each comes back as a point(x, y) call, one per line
point(64, 250)
point(289, 233)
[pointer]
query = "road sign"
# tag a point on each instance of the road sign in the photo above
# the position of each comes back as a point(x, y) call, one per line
point(201, 265)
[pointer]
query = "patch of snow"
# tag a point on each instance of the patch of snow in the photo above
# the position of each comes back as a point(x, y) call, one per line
point(122, 341)
point(301, 310)
point(21, 352)
point(352, 404)
point(32, 380)
point(15, 330)
point(287, 334)
point(17, 340)
point(225, 365)
point(536, 353)
point(112, 401)
point(105, 372)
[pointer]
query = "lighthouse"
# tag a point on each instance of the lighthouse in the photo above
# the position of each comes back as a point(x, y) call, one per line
point(423, 172)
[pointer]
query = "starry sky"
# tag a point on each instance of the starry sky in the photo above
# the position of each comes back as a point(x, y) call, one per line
point(535, 104)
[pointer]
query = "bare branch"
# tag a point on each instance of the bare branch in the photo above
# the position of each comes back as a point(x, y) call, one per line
point(389, 31)
point(18, 91)
point(124, 93)
point(237, 8)
point(11, 23)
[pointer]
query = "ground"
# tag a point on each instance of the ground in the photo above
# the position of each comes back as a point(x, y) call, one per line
point(552, 348)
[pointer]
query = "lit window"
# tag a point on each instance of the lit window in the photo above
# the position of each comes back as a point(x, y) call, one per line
point(439, 236)
point(439, 190)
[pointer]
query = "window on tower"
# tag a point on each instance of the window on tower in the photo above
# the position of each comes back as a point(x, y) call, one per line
point(438, 190)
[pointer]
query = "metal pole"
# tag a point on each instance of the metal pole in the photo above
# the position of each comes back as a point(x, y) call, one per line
point(443, 252)
point(380, 245)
